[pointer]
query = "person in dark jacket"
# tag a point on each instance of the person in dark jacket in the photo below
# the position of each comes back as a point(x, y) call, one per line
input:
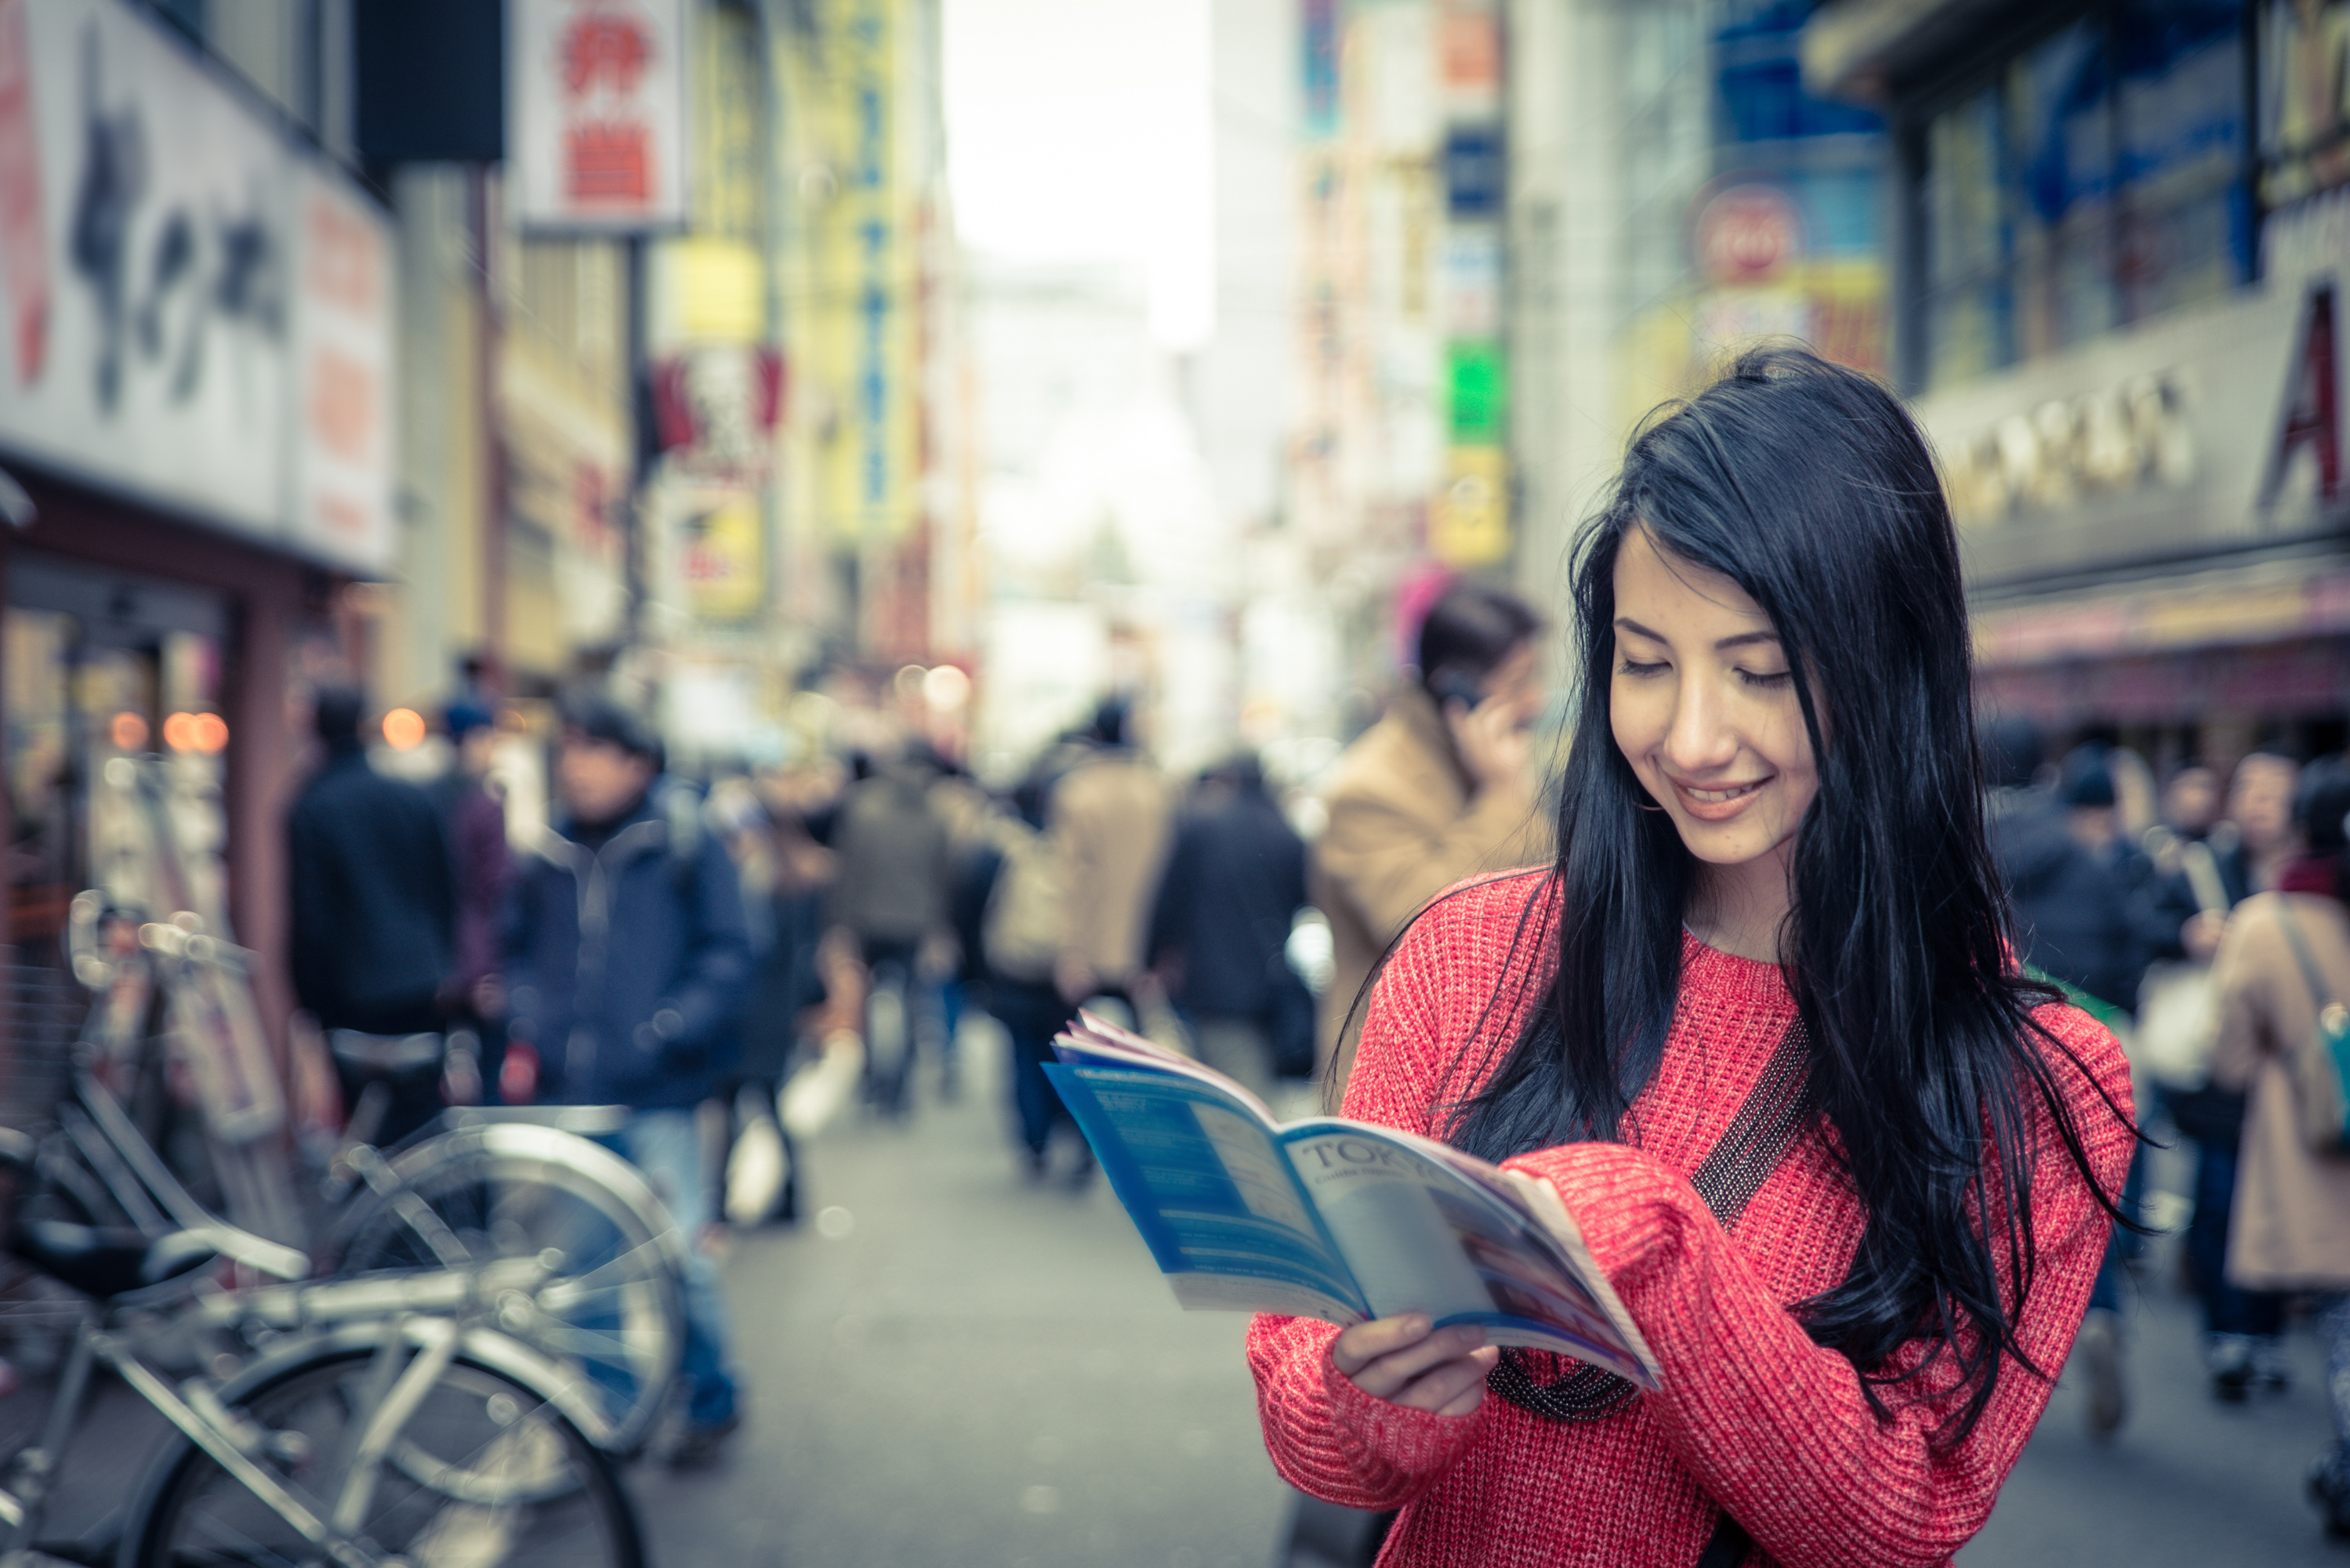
point(2075, 895)
point(628, 961)
point(2072, 895)
point(474, 819)
point(373, 914)
point(1220, 925)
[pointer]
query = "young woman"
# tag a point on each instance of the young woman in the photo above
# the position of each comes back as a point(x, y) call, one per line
point(1771, 843)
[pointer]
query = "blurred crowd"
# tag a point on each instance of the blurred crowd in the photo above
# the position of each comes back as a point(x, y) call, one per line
point(741, 957)
point(2203, 917)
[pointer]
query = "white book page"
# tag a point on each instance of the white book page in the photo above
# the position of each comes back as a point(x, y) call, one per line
point(1398, 1244)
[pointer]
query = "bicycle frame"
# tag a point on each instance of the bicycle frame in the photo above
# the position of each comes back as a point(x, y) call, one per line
point(416, 1326)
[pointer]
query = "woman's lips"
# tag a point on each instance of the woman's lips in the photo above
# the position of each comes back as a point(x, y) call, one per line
point(1719, 802)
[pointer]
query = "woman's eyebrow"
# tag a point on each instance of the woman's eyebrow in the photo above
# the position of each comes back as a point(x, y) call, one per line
point(1626, 623)
point(1744, 637)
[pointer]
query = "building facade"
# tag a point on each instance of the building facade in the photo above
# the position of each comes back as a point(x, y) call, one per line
point(2118, 231)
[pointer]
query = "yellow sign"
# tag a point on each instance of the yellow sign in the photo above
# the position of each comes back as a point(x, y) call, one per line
point(1470, 524)
point(723, 557)
point(710, 291)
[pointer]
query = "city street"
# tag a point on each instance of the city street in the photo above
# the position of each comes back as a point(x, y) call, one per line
point(980, 1371)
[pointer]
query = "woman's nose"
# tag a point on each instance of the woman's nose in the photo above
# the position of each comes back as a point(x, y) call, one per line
point(1700, 742)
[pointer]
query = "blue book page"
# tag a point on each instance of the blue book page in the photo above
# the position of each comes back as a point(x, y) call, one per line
point(1208, 1187)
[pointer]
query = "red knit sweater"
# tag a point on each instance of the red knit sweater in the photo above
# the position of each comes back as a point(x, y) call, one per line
point(1752, 1417)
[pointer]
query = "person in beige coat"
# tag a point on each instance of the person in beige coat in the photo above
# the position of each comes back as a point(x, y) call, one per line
point(2285, 957)
point(1442, 787)
point(1110, 820)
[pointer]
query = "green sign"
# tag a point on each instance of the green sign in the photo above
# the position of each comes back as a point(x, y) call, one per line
point(1477, 379)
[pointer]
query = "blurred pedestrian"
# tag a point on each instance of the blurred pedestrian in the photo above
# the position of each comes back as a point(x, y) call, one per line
point(1013, 893)
point(895, 868)
point(372, 915)
point(1110, 820)
point(1219, 928)
point(628, 962)
point(2211, 864)
point(2070, 884)
point(2284, 960)
point(787, 880)
point(473, 819)
point(1440, 788)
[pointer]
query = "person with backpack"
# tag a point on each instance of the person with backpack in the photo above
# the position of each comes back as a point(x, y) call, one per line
point(628, 962)
point(2283, 979)
point(1013, 884)
point(896, 865)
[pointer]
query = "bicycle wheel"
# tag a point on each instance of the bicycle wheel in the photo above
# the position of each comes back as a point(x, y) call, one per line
point(615, 1313)
point(483, 1474)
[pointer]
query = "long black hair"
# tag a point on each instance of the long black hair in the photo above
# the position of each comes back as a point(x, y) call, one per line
point(1808, 486)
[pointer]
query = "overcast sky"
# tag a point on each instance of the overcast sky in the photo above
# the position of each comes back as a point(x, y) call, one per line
point(1078, 130)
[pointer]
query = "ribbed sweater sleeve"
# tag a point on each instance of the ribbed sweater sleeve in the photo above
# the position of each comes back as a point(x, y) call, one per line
point(1775, 1427)
point(1327, 1436)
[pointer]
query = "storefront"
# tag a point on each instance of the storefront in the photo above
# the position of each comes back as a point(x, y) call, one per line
point(2120, 237)
point(193, 386)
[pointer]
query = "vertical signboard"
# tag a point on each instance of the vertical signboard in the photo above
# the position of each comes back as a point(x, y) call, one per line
point(859, 327)
point(342, 366)
point(595, 115)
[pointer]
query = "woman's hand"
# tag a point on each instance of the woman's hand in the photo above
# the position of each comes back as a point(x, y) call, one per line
point(1495, 742)
point(1398, 1359)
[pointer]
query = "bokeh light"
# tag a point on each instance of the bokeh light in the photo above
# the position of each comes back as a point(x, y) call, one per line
point(403, 729)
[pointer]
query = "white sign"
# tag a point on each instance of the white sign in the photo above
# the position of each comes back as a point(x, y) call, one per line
point(342, 337)
point(155, 285)
point(596, 124)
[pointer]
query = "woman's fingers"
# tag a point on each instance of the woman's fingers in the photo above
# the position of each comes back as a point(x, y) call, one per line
point(1390, 1357)
point(1466, 1401)
point(1358, 1346)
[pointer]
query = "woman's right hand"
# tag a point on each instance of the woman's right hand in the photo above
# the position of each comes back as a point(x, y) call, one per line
point(1401, 1360)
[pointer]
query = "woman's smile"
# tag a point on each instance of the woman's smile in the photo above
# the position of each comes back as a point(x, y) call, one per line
point(1716, 803)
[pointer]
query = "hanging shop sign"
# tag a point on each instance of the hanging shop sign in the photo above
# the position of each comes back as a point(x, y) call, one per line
point(596, 115)
point(196, 312)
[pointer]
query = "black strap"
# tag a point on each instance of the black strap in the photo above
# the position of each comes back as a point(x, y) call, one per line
point(1727, 1546)
point(1758, 1139)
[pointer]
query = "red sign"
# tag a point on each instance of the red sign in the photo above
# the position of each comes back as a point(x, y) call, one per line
point(1745, 233)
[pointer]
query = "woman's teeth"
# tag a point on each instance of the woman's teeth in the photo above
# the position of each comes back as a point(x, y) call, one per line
point(1717, 796)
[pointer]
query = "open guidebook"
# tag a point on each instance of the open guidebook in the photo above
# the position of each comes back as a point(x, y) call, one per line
point(1330, 1219)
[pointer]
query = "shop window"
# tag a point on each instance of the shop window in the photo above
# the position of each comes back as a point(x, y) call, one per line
point(99, 671)
point(2094, 180)
point(2304, 76)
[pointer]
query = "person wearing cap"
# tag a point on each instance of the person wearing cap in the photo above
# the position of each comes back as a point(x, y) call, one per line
point(628, 961)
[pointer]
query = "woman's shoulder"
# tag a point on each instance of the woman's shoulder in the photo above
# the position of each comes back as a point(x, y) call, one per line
point(1482, 921)
point(2092, 1073)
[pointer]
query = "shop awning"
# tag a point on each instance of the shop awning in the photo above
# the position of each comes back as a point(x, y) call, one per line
point(2271, 602)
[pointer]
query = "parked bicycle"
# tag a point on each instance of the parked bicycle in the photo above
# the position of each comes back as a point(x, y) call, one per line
point(373, 1422)
point(478, 1185)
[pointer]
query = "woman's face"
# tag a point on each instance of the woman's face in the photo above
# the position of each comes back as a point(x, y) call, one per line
point(1703, 707)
